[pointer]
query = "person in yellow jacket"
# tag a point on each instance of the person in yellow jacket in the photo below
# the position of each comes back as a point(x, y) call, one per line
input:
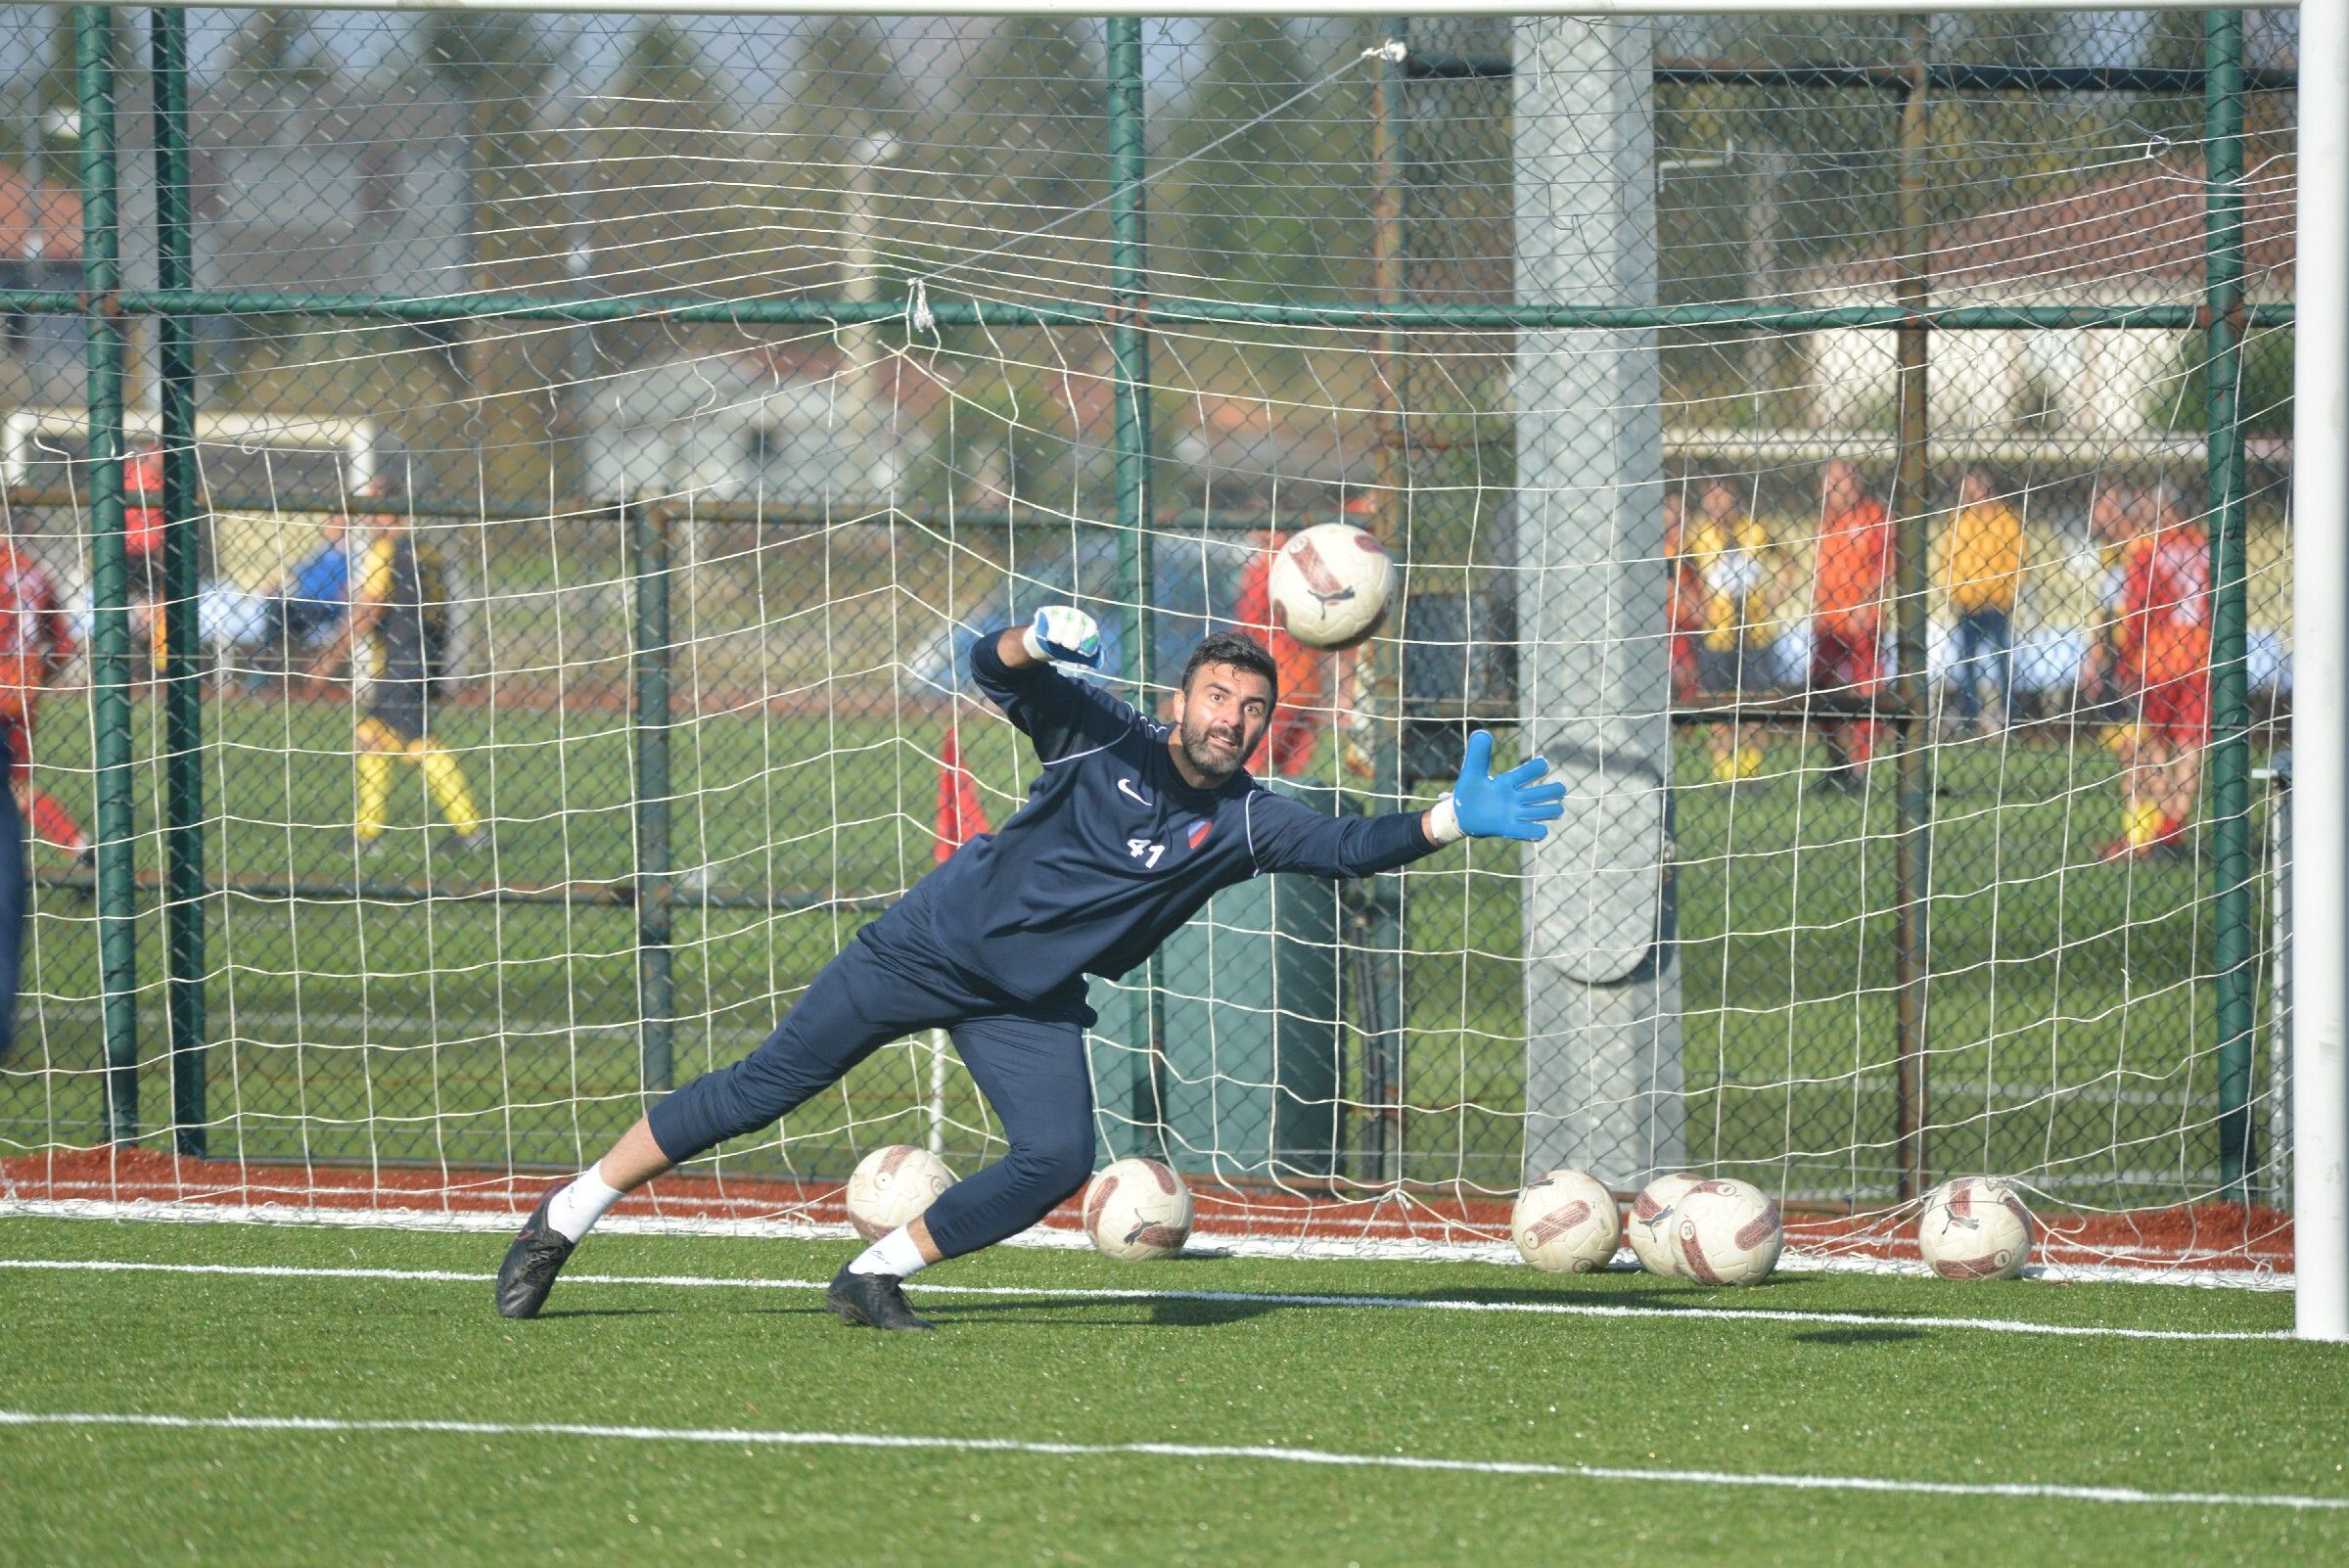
point(1728, 554)
point(1981, 574)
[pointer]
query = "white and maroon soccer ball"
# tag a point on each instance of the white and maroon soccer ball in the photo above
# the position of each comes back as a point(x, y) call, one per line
point(1137, 1210)
point(1330, 586)
point(1566, 1222)
point(1727, 1232)
point(1975, 1227)
point(1652, 1216)
point(894, 1186)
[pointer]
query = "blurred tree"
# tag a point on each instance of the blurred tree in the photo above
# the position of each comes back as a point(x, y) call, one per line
point(497, 68)
point(1030, 133)
point(1245, 186)
point(665, 217)
point(276, 50)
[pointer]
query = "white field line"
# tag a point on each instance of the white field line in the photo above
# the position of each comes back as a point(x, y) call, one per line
point(740, 1436)
point(1203, 1243)
point(1242, 1298)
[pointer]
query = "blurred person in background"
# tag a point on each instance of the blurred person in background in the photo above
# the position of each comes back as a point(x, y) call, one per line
point(143, 525)
point(2162, 650)
point(2113, 521)
point(1687, 609)
point(35, 643)
point(397, 639)
point(1307, 683)
point(310, 599)
point(1728, 551)
point(1849, 573)
point(1982, 574)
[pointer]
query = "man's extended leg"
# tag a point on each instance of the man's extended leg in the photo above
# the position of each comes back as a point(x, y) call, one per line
point(855, 1005)
point(1033, 1075)
point(1033, 1072)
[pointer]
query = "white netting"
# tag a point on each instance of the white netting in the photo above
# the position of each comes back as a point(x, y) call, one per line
point(907, 418)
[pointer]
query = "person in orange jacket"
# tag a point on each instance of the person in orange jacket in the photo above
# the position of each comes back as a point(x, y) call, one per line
point(1853, 564)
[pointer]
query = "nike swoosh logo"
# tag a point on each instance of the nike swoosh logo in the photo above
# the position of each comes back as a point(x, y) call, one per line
point(1126, 785)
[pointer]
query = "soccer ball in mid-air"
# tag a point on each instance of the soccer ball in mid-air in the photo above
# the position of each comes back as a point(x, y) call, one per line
point(1652, 1216)
point(894, 1187)
point(1566, 1222)
point(1975, 1227)
point(1727, 1232)
point(1330, 586)
point(1137, 1210)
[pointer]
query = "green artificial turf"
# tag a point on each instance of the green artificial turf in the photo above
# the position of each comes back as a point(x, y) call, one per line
point(1882, 1398)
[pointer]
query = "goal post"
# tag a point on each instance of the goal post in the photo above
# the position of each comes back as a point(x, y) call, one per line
point(2319, 994)
point(1779, 412)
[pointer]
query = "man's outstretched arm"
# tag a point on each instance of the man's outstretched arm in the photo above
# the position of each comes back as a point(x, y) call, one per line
point(1286, 836)
point(1013, 668)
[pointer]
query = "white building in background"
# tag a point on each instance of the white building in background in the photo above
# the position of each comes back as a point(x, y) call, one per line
point(2136, 239)
point(787, 427)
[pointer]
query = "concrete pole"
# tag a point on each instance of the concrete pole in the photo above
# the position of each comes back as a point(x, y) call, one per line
point(1601, 981)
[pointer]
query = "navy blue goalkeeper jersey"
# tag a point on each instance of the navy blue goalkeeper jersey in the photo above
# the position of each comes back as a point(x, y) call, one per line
point(1114, 851)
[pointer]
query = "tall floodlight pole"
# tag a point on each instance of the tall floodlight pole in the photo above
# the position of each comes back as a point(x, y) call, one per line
point(2319, 672)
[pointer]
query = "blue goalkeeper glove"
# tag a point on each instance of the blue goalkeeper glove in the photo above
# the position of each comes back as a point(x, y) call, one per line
point(1514, 805)
point(1064, 634)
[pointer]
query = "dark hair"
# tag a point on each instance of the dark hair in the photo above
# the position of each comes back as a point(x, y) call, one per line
point(1235, 649)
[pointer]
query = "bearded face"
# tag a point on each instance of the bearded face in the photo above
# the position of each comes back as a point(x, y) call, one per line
point(1226, 712)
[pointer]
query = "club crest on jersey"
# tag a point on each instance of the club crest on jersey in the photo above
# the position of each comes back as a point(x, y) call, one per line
point(1199, 832)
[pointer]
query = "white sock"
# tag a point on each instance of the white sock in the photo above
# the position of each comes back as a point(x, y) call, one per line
point(578, 1206)
point(894, 1254)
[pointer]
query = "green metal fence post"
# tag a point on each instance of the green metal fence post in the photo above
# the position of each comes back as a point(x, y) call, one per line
point(2236, 977)
point(1129, 346)
point(1913, 503)
point(649, 719)
point(1377, 905)
point(183, 670)
point(109, 573)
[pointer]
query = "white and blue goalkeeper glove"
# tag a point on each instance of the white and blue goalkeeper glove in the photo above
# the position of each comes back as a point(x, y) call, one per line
point(1064, 634)
point(1514, 805)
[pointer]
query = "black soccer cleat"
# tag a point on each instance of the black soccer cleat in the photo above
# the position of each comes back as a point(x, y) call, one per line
point(532, 1264)
point(871, 1300)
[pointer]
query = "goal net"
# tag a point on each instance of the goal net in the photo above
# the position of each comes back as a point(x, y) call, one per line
point(1852, 450)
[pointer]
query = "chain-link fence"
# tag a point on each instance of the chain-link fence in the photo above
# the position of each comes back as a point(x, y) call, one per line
point(517, 492)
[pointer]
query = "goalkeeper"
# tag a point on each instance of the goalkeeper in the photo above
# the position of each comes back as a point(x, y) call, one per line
point(1127, 831)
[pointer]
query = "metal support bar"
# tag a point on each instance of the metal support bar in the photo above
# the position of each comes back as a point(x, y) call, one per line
point(649, 719)
point(1375, 909)
point(2235, 977)
point(1946, 78)
point(1129, 346)
point(1912, 504)
point(1171, 309)
point(109, 571)
point(1693, 72)
point(183, 666)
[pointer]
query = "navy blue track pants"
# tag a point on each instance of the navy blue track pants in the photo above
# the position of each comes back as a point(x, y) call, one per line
point(1028, 1058)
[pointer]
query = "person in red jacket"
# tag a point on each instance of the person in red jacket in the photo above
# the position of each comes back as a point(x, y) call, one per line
point(35, 643)
point(1847, 614)
point(1307, 675)
point(2162, 652)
